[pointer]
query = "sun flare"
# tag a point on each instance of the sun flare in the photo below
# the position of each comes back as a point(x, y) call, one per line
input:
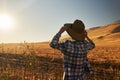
point(6, 22)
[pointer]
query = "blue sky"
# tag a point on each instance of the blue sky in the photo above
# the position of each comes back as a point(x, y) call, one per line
point(40, 20)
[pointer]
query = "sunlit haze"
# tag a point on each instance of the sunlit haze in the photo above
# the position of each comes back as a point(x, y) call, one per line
point(6, 22)
point(40, 20)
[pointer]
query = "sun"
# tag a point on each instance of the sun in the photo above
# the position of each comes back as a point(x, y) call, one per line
point(6, 22)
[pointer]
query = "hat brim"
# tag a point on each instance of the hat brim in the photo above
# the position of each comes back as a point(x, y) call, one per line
point(74, 35)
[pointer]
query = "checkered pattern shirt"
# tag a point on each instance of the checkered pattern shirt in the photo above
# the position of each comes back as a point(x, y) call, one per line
point(75, 57)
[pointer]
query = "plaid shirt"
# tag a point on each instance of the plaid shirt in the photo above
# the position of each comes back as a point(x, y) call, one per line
point(75, 57)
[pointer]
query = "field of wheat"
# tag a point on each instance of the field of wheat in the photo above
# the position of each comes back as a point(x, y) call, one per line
point(31, 61)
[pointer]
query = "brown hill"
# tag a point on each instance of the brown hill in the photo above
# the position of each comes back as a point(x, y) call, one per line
point(107, 35)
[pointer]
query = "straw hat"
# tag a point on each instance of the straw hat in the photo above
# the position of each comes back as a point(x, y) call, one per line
point(76, 30)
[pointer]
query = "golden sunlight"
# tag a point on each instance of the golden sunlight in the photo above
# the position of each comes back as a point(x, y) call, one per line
point(6, 22)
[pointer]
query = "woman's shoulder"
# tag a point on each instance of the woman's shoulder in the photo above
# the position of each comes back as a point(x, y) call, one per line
point(75, 42)
point(68, 41)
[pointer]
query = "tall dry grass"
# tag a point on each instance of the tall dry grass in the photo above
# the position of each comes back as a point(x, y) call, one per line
point(34, 61)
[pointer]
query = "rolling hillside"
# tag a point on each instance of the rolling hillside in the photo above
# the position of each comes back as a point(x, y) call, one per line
point(107, 35)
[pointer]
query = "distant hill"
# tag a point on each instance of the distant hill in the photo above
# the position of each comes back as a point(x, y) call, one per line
point(107, 35)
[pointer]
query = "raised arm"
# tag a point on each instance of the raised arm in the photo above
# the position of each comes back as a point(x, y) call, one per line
point(91, 44)
point(61, 30)
point(55, 41)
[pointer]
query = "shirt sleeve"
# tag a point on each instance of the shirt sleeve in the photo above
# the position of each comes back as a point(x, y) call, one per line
point(56, 44)
point(88, 68)
point(90, 45)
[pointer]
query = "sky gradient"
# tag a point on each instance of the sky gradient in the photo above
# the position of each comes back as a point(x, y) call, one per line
point(40, 20)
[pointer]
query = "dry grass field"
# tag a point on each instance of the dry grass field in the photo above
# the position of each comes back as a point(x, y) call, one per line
point(37, 61)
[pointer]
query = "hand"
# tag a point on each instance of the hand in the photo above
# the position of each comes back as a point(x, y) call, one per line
point(86, 35)
point(85, 32)
point(61, 30)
